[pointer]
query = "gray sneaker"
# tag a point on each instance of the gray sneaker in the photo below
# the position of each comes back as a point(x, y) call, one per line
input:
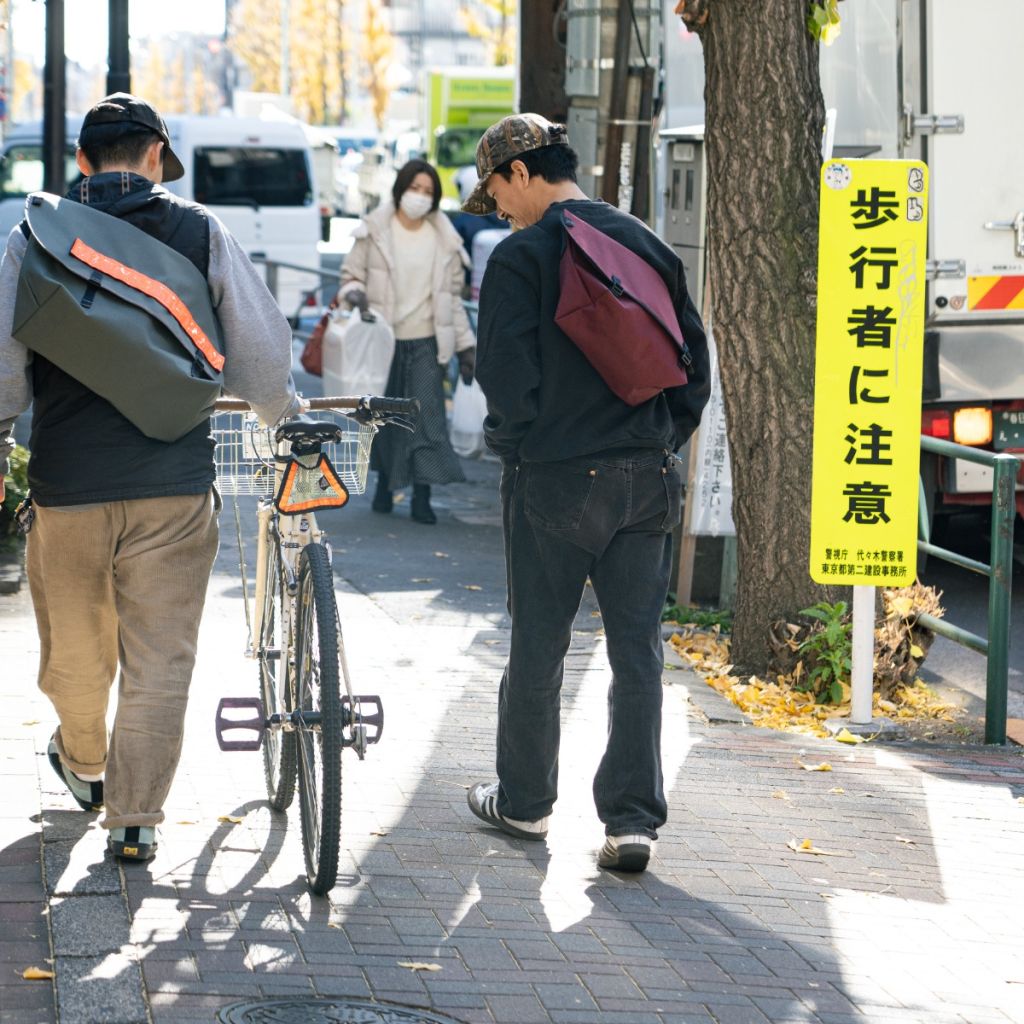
point(483, 802)
point(137, 842)
point(88, 795)
point(625, 853)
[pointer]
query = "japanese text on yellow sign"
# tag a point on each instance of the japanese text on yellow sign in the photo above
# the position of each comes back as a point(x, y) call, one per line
point(867, 382)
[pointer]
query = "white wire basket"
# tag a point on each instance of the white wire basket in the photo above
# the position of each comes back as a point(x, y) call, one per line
point(244, 453)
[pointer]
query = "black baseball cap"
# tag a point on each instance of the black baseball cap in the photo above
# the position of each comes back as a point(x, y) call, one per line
point(125, 109)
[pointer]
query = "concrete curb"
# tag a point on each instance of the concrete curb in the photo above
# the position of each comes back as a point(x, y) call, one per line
point(713, 706)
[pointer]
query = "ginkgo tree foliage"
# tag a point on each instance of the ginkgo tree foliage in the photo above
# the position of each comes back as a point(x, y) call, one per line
point(319, 52)
point(377, 53)
point(495, 22)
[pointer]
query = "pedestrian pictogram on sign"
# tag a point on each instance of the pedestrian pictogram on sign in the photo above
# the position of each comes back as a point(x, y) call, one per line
point(867, 387)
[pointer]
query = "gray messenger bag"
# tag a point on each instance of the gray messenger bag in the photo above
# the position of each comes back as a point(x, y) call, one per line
point(125, 315)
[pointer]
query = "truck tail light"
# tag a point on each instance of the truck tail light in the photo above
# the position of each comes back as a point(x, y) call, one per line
point(937, 423)
point(972, 426)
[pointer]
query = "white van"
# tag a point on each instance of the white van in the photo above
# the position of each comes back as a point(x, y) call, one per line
point(255, 175)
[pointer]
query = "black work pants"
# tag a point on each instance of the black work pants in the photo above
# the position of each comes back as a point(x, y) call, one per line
point(607, 517)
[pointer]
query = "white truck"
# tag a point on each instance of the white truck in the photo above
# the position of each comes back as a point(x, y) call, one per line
point(256, 175)
point(922, 79)
point(930, 80)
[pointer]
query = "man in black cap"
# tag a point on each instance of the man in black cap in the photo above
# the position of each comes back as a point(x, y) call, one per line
point(589, 489)
point(125, 527)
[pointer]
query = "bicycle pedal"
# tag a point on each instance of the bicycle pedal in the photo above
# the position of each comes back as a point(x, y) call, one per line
point(373, 722)
point(226, 724)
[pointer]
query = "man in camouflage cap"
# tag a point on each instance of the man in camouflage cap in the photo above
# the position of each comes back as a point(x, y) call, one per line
point(589, 489)
point(510, 137)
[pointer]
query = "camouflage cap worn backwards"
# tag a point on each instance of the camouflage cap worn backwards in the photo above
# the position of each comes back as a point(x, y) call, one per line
point(509, 138)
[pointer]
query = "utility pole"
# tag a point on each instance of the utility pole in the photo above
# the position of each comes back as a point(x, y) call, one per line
point(542, 73)
point(54, 127)
point(617, 105)
point(119, 77)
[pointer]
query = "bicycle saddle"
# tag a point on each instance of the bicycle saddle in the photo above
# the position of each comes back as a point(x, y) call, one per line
point(304, 431)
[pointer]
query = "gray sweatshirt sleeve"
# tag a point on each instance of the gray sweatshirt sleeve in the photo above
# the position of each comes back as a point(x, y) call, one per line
point(257, 338)
point(15, 377)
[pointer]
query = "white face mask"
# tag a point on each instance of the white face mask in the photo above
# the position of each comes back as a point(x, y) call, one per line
point(415, 204)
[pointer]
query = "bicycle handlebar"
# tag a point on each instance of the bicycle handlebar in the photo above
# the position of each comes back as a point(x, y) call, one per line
point(373, 404)
point(394, 406)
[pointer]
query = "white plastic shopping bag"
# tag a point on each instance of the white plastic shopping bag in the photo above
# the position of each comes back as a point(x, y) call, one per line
point(469, 407)
point(357, 355)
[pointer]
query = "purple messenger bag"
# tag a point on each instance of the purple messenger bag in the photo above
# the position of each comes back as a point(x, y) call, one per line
point(618, 311)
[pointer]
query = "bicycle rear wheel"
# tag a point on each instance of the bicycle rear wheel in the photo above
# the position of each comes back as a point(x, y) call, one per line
point(316, 694)
point(279, 758)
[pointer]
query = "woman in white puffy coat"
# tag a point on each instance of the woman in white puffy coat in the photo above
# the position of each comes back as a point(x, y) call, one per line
point(408, 265)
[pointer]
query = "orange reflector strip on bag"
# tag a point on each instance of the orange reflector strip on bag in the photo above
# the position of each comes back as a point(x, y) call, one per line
point(293, 496)
point(155, 290)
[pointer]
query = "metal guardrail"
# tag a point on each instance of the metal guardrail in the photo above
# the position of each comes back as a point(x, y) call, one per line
point(324, 273)
point(999, 570)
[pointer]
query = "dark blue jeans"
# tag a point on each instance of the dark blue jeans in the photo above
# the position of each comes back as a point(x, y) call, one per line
point(607, 517)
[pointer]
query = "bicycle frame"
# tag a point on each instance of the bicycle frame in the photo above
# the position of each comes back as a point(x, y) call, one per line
point(281, 537)
point(302, 718)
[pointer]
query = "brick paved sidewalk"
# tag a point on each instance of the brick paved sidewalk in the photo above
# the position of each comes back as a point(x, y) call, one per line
point(918, 914)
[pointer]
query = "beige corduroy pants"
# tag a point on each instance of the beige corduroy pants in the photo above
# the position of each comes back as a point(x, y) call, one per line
point(122, 584)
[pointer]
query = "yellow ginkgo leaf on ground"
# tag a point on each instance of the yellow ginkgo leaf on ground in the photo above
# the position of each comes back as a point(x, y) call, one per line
point(915, 651)
point(808, 847)
point(187, 823)
point(31, 721)
point(845, 736)
point(36, 974)
point(823, 767)
point(837, 791)
point(231, 819)
point(417, 965)
point(902, 606)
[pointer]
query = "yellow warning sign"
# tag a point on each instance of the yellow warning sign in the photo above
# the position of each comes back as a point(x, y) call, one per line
point(867, 382)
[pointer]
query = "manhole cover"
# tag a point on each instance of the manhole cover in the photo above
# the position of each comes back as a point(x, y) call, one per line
point(327, 1011)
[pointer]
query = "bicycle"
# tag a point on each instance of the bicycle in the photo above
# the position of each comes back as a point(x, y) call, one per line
point(301, 719)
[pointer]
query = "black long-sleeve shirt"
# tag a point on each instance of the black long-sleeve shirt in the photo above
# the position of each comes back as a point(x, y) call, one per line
point(545, 401)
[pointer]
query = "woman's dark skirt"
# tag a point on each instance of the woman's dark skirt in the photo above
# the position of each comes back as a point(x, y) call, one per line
point(424, 456)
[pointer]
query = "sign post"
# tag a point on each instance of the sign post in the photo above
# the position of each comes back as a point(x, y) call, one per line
point(867, 389)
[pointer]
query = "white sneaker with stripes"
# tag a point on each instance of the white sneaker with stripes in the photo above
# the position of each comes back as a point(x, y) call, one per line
point(483, 802)
point(625, 853)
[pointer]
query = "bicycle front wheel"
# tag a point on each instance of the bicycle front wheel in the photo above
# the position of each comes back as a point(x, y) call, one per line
point(279, 764)
point(319, 739)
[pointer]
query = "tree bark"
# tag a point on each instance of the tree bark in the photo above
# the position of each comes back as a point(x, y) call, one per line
point(763, 133)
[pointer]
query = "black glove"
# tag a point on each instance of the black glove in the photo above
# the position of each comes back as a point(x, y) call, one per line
point(467, 364)
point(356, 298)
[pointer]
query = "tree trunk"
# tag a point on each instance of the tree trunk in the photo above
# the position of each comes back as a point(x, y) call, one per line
point(763, 129)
